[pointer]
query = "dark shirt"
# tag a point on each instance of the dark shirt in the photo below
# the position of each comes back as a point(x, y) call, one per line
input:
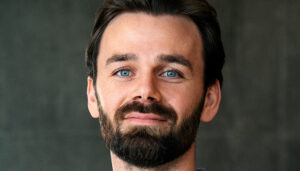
point(199, 169)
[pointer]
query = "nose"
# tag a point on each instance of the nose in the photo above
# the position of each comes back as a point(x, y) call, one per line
point(146, 90)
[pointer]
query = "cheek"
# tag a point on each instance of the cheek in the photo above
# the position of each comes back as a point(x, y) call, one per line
point(111, 97)
point(184, 101)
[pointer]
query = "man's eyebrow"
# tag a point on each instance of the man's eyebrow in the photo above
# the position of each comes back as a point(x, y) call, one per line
point(120, 58)
point(179, 59)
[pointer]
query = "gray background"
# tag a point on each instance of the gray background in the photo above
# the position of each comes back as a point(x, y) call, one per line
point(44, 121)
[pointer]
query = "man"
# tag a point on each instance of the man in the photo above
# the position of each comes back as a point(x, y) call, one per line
point(154, 73)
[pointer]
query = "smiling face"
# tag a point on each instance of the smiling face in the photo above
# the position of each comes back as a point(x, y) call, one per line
point(150, 76)
point(138, 60)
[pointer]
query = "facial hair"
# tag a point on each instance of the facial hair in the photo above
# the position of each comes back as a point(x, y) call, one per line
point(145, 146)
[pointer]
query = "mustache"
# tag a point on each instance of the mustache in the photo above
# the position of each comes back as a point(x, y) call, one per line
point(156, 108)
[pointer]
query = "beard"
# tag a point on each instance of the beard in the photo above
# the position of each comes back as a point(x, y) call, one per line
point(149, 146)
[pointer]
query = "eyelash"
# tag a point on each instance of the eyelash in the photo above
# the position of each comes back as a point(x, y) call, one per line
point(121, 70)
point(179, 74)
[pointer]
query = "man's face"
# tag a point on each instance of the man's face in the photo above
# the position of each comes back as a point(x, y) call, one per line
point(149, 84)
point(147, 75)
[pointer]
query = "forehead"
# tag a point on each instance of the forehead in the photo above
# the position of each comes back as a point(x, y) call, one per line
point(147, 35)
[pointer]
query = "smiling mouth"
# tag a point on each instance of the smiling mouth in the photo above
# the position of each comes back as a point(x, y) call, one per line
point(144, 118)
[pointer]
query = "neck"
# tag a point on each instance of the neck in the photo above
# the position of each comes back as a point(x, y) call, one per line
point(186, 162)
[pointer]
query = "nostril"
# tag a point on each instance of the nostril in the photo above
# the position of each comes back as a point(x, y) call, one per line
point(137, 97)
point(151, 98)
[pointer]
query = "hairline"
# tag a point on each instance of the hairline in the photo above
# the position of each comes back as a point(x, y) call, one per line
point(154, 14)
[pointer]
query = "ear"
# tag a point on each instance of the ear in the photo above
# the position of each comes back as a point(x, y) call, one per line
point(92, 100)
point(212, 102)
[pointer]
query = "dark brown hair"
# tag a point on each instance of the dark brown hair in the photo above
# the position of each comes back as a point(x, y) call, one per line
point(199, 11)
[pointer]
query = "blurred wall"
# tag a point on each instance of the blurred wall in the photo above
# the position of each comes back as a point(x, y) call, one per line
point(44, 121)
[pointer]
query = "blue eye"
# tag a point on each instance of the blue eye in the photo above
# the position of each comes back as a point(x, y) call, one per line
point(172, 74)
point(124, 73)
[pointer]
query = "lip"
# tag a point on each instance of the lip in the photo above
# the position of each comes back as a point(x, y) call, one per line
point(144, 118)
